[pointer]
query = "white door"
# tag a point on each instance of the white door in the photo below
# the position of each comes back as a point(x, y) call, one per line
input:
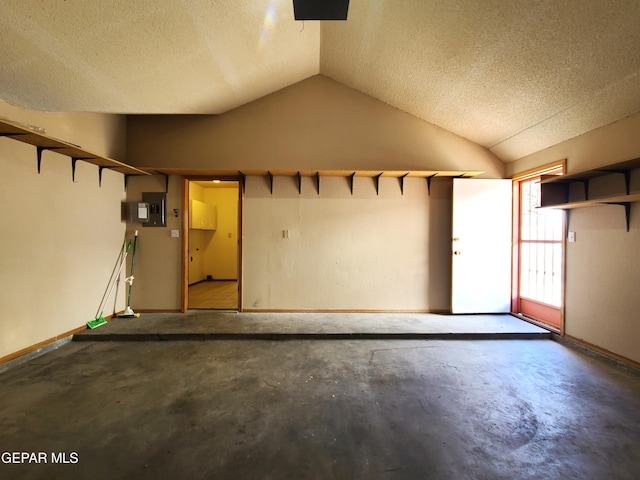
point(481, 246)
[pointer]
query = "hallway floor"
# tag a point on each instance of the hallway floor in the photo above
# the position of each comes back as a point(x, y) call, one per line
point(218, 295)
point(319, 409)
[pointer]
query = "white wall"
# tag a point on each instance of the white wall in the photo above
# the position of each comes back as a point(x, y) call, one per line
point(602, 266)
point(60, 239)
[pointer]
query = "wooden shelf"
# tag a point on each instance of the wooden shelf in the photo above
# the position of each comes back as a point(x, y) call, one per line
point(616, 200)
point(317, 174)
point(43, 142)
point(555, 189)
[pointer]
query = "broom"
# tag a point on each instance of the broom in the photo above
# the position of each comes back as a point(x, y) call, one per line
point(99, 320)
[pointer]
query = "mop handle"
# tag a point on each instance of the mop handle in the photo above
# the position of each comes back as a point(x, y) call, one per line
point(115, 278)
point(133, 258)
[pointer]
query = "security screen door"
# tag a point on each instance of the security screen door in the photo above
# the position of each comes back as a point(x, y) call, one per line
point(481, 246)
point(541, 251)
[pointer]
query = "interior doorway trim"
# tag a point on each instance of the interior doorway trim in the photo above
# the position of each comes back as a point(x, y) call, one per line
point(185, 233)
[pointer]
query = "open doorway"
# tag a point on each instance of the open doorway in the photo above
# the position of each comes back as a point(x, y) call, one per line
point(212, 245)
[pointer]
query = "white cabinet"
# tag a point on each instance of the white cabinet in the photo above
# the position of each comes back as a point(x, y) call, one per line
point(202, 216)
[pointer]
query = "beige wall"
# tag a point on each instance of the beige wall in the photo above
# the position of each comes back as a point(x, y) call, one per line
point(360, 252)
point(60, 239)
point(602, 266)
point(158, 267)
point(346, 252)
point(316, 124)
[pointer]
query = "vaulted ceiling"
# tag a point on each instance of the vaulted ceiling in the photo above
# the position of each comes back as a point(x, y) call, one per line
point(514, 76)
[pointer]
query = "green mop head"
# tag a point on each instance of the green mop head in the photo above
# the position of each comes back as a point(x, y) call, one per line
point(96, 323)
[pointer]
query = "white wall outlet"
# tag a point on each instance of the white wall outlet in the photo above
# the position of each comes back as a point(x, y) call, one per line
point(175, 233)
point(571, 237)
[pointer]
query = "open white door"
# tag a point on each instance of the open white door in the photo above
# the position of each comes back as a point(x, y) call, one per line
point(481, 246)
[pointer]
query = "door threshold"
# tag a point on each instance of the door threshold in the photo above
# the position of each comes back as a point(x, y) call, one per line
point(537, 323)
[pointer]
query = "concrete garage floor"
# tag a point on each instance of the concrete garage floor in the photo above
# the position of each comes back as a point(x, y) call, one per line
point(320, 409)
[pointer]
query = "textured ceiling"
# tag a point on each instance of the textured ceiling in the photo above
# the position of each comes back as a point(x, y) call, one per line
point(514, 76)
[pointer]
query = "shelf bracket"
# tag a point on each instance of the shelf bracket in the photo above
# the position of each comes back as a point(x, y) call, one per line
point(39, 151)
point(299, 177)
point(74, 160)
point(627, 177)
point(351, 177)
point(402, 183)
point(243, 182)
point(126, 179)
point(270, 175)
point(627, 210)
point(100, 169)
point(377, 182)
point(429, 183)
point(585, 184)
point(318, 182)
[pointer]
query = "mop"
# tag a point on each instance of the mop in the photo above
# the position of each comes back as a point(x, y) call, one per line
point(99, 320)
point(128, 312)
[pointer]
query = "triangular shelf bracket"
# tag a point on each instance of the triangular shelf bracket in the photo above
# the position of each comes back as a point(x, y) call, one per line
point(429, 183)
point(627, 211)
point(270, 177)
point(376, 179)
point(39, 151)
point(401, 179)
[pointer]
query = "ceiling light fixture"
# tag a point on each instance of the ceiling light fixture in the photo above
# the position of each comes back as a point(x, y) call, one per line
point(320, 9)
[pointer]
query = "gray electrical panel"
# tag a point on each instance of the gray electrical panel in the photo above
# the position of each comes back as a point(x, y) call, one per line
point(157, 208)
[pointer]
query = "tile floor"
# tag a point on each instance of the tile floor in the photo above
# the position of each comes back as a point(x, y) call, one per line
point(214, 295)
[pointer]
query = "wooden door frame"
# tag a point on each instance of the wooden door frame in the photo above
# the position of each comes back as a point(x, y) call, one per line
point(517, 215)
point(185, 233)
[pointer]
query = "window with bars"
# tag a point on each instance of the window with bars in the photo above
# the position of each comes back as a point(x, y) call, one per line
point(540, 247)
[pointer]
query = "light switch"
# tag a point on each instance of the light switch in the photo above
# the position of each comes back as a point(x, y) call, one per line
point(175, 233)
point(571, 237)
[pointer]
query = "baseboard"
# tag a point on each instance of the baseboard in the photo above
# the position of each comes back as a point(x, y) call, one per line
point(536, 322)
point(213, 280)
point(597, 350)
point(40, 345)
point(176, 310)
